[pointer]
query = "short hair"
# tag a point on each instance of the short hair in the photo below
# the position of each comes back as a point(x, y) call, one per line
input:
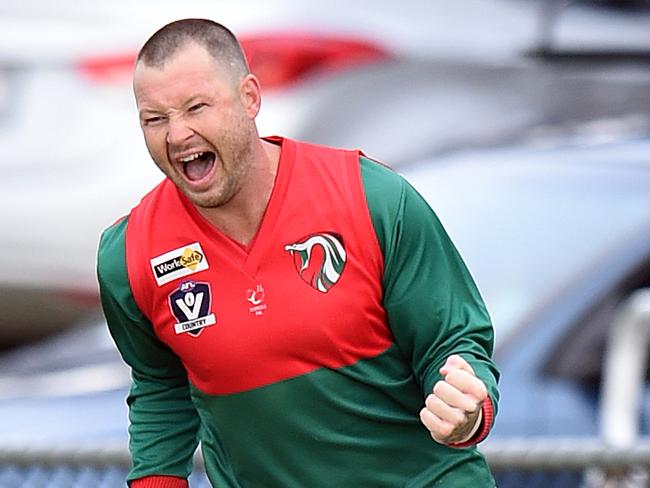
point(217, 39)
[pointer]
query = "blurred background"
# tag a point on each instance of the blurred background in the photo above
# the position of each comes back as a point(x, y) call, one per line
point(524, 123)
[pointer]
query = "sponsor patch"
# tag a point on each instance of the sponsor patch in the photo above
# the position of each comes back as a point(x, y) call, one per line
point(190, 304)
point(179, 263)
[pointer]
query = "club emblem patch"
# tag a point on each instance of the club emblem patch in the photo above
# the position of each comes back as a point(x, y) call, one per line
point(190, 305)
point(319, 259)
point(178, 263)
point(256, 299)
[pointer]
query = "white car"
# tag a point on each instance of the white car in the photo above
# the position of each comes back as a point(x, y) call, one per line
point(383, 76)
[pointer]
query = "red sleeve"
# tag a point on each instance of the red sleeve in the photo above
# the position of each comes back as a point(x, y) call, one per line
point(484, 428)
point(160, 482)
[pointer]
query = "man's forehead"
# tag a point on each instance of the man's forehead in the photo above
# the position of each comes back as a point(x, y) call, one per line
point(178, 80)
point(189, 52)
point(176, 68)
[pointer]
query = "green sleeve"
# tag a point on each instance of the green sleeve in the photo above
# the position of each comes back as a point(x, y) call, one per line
point(163, 422)
point(433, 305)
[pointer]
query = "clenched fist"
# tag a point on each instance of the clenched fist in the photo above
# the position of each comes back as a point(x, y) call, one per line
point(452, 412)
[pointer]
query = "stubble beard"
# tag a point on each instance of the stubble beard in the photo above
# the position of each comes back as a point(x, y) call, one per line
point(234, 157)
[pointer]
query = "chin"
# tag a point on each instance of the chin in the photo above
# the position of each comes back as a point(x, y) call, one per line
point(206, 201)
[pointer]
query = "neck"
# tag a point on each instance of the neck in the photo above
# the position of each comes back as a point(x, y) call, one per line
point(241, 217)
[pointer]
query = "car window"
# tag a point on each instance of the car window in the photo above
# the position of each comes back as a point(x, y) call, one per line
point(527, 230)
point(579, 354)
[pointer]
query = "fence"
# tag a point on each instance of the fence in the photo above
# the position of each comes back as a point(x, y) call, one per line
point(517, 463)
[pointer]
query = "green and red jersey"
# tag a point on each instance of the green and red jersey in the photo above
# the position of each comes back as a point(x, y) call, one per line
point(302, 359)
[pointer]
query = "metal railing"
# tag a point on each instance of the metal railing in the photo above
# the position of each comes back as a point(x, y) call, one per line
point(517, 453)
point(524, 462)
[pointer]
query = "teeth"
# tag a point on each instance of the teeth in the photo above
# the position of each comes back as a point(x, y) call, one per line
point(191, 157)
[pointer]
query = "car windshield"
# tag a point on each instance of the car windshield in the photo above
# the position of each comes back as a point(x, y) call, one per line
point(528, 225)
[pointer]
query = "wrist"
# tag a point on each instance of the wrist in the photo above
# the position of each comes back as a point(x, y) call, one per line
point(485, 425)
point(475, 428)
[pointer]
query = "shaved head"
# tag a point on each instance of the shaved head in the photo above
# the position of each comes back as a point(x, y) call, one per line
point(218, 40)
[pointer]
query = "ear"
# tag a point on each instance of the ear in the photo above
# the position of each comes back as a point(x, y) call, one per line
point(251, 95)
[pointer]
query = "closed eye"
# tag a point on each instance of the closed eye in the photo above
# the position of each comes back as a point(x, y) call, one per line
point(154, 120)
point(196, 107)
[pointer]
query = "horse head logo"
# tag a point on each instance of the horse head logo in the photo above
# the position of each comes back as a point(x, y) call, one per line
point(319, 259)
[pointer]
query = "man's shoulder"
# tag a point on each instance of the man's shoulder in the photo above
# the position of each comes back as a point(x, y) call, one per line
point(112, 240)
point(313, 147)
point(111, 252)
point(382, 184)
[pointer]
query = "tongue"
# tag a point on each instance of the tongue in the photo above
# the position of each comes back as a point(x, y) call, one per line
point(198, 168)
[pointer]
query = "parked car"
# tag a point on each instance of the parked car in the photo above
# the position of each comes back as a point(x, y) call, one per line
point(72, 155)
point(401, 81)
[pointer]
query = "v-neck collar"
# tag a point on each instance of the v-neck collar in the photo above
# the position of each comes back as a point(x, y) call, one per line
point(249, 257)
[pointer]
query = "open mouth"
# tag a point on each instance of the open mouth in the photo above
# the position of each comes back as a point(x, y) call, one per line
point(196, 166)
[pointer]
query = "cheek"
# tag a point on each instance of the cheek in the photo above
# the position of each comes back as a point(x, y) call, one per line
point(157, 145)
point(219, 127)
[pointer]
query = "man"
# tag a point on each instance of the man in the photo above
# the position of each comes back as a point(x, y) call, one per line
point(297, 309)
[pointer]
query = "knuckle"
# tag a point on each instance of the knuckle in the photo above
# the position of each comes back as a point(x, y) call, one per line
point(479, 392)
point(424, 415)
point(459, 417)
point(456, 375)
point(439, 388)
point(474, 407)
point(445, 430)
point(430, 401)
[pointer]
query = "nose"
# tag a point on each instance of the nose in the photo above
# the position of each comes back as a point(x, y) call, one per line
point(178, 132)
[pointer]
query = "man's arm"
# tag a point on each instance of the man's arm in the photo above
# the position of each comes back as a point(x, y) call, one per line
point(163, 422)
point(434, 309)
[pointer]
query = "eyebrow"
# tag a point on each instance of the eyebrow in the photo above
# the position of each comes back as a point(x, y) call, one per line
point(149, 111)
point(189, 102)
point(192, 100)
